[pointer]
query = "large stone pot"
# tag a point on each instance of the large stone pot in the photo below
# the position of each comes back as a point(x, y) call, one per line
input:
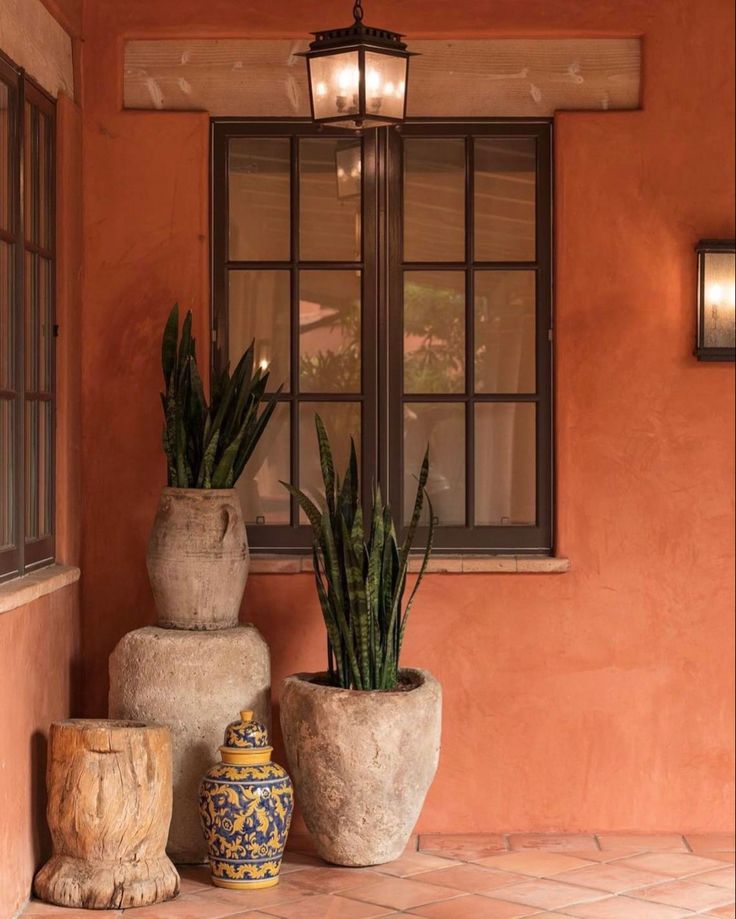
point(198, 558)
point(361, 762)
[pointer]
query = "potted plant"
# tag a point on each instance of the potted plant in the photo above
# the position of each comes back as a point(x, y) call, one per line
point(198, 550)
point(362, 738)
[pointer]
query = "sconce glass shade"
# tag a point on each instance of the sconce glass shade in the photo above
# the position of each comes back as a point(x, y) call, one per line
point(357, 77)
point(716, 301)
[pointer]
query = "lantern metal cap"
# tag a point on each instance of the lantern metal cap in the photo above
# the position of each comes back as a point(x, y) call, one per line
point(357, 34)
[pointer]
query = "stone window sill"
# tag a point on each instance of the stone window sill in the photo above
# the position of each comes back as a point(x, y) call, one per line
point(438, 564)
point(30, 587)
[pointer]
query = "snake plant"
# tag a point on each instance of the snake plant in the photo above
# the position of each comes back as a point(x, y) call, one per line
point(207, 446)
point(361, 578)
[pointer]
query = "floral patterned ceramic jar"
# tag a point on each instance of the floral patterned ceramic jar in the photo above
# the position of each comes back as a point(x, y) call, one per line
point(245, 805)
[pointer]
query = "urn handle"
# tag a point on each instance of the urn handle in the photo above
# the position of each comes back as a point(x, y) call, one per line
point(230, 520)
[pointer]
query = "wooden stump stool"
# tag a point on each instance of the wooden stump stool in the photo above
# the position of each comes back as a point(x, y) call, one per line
point(109, 807)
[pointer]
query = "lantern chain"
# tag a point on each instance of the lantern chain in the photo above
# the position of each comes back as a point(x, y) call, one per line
point(358, 11)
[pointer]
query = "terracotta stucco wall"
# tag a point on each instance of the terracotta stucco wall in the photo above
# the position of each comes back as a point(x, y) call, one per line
point(599, 699)
point(39, 642)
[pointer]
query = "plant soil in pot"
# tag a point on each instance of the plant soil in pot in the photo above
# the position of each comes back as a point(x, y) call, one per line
point(362, 762)
point(198, 551)
point(363, 738)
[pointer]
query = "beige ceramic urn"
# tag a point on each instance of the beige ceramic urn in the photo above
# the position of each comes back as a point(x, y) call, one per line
point(198, 558)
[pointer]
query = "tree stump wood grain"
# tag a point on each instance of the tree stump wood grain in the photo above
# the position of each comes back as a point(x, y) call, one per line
point(109, 808)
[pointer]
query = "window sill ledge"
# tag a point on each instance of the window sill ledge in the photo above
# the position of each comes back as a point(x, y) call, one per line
point(438, 564)
point(30, 587)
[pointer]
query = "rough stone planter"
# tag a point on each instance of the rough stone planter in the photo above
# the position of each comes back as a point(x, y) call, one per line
point(198, 558)
point(362, 762)
point(193, 682)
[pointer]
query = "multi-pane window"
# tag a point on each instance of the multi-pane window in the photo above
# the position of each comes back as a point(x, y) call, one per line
point(399, 284)
point(27, 129)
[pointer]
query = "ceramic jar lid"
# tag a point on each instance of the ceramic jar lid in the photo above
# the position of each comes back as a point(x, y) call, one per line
point(246, 741)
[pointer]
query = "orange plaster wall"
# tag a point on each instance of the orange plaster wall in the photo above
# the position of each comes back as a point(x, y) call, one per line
point(600, 699)
point(39, 642)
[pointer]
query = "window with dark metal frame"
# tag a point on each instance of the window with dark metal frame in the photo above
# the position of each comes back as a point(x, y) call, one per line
point(398, 283)
point(27, 323)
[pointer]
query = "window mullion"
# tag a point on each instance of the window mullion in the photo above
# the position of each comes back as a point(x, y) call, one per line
point(294, 325)
point(19, 309)
point(469, 334)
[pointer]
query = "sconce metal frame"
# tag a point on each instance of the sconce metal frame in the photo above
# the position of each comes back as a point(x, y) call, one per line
point(703, 351)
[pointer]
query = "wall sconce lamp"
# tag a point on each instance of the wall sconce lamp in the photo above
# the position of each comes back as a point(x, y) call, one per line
point(716, 329)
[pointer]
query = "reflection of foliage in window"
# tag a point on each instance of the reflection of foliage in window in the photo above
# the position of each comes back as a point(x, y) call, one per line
point(436, 315)
point(334, 370)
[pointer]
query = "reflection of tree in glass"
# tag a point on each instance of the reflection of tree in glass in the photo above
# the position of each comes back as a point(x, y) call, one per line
point(333, 369)
point(435, 317)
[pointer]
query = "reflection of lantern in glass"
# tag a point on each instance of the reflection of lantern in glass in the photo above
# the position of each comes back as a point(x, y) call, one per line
point(357, 75)
point(348, 163)
point(716, 300)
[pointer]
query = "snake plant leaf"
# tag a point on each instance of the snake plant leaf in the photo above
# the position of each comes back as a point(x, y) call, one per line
point(208, 445)
point(313, 513)
point(254, 434)
point(185, 344)
point(348, 498)
point(168, 343)
point(422, 570)
point(418, 502)
point(326, 464)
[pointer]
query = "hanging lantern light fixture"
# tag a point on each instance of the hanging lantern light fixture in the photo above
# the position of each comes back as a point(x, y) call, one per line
point(357, 75)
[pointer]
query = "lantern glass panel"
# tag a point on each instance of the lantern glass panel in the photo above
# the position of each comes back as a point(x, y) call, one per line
point(719, 316)
point(385, 85)
point(335, 82)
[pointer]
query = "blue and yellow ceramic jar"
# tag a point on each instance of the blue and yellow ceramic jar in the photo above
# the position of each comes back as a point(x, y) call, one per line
point(245, 805)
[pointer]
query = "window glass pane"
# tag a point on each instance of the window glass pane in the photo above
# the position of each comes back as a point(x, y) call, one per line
point(44, 157)
point(259, 308)
point(7, 468)
point(434, 331)
point(30, 187)
point(329, 331)
point(31, 321)
point(263, 497)
point(434, 199)
point(441, 425)
point(505, 463)
point(385, 84)
point(329, 199)
point(259, 183)
point(335, 78)
point(45, 319)
point(31, 460)
point(505, 304)
point(342, 421)
point(505, 194)
point(45, 480)
point(6, 317)
point(5, 141)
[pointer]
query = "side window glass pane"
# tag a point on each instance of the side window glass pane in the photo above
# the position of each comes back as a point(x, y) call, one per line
point(505, 196)
point(264, 498)
point(330, 207)
point(342, 421)
point(259, 184)
point(434, 199)
point(329, 331)
point(505, 464)
point(441, 426)
point(434, 331)
point(505, 332)
point(260, 309)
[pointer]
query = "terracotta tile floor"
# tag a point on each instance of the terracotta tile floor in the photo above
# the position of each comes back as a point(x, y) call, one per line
point(478, 876)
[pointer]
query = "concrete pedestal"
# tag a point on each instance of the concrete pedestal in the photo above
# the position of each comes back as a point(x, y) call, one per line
point(195, 682)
